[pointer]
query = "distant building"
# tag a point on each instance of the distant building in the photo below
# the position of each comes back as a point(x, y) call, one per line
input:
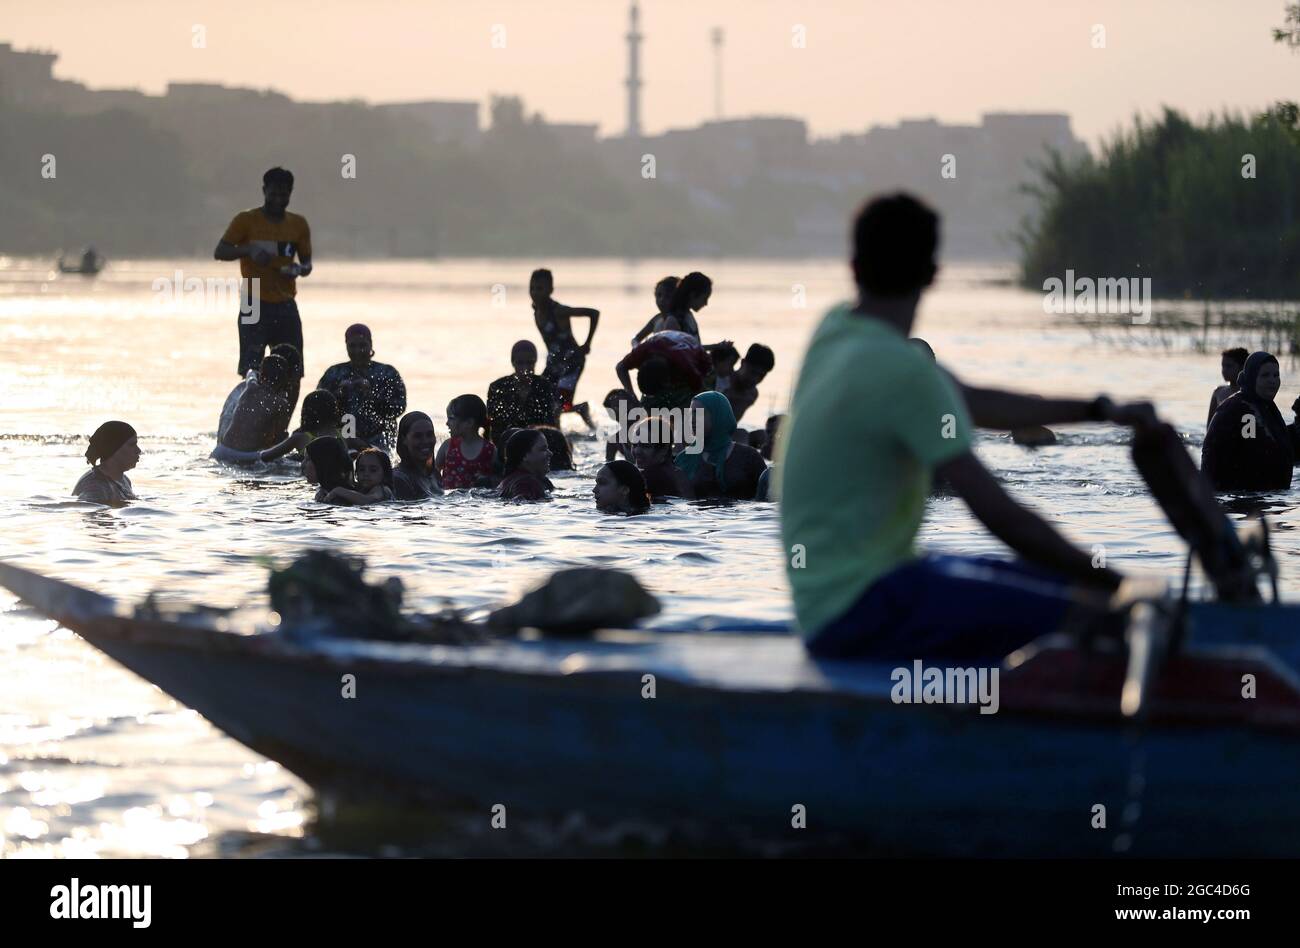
point(448, 121)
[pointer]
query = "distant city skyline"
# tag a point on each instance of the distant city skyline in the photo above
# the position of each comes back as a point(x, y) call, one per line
point(568, 59)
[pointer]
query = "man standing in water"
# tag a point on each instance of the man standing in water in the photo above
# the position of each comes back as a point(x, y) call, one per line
point(565, 359)
point(265, 241)
point(873, 419)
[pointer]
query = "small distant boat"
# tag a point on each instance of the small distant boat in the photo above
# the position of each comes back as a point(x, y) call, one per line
point(744, 734)
point(89, 263)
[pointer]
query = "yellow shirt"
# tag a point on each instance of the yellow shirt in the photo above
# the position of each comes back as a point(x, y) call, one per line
point(282, 239)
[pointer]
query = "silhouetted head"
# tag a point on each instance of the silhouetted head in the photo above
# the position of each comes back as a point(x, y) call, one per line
point(523, 356)
point(1260, 377)
point(275, 373)
point(541, 285)
point(692, 292)
point(320, 410)
point(466, 415)
point(754, 367)
point(652, 441)
point(1231, 364)
point(615, 398)
point(329, 458)
point(654, 376)
point(895, 239)
point(725, 358)
point(360, 344)
point(620, 488)
point(290, 354)
point(277, 187)
point(664, 292)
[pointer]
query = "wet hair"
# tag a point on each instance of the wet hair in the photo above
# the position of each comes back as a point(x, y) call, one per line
point(108, 440)
point(895, 238)
point(724, 353)
point(320, 409)
point(522, 350)
point(760, 357)
point(289, 353)
point(520, 443)
point(691, 286)
point(404, 429)
point(1237, 355)
point(561, 453)
point(278, 175)
point(615, 396)
point(654, 375)
point(275, 371)
point(333, 466)
point(543, 274)
point(384, 462)
point(629, 475)
point(471, 407)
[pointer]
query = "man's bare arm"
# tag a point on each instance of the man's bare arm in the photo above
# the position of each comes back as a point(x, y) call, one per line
point(1019, 528)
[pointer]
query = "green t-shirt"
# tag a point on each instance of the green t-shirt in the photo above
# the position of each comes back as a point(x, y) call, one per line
point(872, 416)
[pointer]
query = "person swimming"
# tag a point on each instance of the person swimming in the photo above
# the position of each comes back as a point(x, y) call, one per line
point(620, 488)
point(415, 476)
point(521, 399)
point(466, 458)
point(724, 468)
point(373, 474)
point(741, 386)
point(259, 415)
point(329, 467)
point(319, 419)
point(527, 460)
point(1231, 362)
point(619, 403)
point(652, 450)
point(113, 450)
point(1248, 445)
point(773, 429)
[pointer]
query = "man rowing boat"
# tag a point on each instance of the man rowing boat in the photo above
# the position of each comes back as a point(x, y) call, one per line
point(891, 419)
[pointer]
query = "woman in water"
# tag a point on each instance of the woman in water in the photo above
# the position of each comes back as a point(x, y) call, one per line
point(620, 488)
point(527, 460)
point(373, 473)
point(723, 468)
point(691, 296)
point(414, 478)
point(465, 460)
point(319, 419)
point(113, 451)
point(1248, 446)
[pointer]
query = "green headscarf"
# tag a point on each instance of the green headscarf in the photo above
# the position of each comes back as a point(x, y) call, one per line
point(722, 424)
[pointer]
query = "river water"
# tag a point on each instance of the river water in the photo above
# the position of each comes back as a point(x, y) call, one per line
point(94, 761)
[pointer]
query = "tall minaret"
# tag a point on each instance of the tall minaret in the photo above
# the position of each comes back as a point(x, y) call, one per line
point(634, 74)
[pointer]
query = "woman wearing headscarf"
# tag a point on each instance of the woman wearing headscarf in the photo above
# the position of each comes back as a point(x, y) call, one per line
point(713, 464)
point(414, 478)
point(1248, 446)
point(113, 451)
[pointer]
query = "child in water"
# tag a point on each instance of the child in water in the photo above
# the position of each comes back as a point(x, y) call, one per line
point(620, 488)
point(619, 403)
point(374, 480)
point(528, 459)
point(328, 466)
point(466, 459)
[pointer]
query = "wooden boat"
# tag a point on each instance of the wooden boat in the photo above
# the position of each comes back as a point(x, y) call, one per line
point(745, 734)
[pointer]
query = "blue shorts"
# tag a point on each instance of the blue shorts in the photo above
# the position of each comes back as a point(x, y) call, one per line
point(949, 607)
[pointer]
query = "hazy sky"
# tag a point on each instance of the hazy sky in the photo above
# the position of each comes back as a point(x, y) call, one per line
point(865, 62)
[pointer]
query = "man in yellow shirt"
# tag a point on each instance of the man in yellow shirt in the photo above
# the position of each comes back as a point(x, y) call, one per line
point(265, 241)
